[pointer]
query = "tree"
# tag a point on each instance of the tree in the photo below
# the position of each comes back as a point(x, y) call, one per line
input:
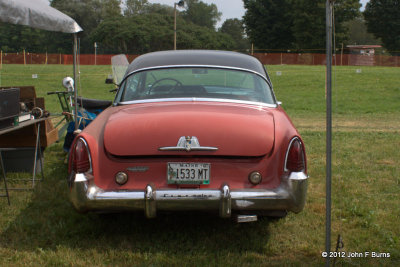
point(159, 9)
point(235, 28)
point(88, 14)
point(201, 13)
point(144, 27)
point(309, 22)
point(16, 38)
point(135, 7)
point(383, 20)
point(153, 32)
point(298, 24)
point(110, 9)
point(269, 23)
point(358, 34)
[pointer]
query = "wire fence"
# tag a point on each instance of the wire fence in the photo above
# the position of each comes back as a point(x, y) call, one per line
point(265, 58)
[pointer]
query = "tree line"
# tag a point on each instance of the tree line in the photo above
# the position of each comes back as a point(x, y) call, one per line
point(131, 27)
point(137, 26)
point(300, 24)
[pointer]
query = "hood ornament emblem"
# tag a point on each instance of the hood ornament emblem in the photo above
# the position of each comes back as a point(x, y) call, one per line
point(188, 143)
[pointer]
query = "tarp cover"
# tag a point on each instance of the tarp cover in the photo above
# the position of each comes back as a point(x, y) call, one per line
point(37, 14)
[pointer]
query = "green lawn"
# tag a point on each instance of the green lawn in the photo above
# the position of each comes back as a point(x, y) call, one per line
point(42, 228)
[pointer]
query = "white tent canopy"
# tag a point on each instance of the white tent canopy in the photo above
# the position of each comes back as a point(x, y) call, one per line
point(37, 14)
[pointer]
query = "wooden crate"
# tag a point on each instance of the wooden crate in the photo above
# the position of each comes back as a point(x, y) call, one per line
point(26, 137)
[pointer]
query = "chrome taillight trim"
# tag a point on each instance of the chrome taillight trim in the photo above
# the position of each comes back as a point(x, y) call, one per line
point(287, 153)
point(88, 151)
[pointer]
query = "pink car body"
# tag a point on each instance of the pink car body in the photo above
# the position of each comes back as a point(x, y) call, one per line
point(168, 148)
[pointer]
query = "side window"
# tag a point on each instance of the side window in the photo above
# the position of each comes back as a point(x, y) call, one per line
point(130, 88)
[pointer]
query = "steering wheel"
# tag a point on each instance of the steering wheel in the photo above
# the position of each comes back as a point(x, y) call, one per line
point(178, 83)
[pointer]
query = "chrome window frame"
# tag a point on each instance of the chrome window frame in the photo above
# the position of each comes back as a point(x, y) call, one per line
point(287, 154)
point(118, 95)
point(88, 151)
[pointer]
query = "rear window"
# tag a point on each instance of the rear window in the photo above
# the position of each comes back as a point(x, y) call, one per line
point(196, 82)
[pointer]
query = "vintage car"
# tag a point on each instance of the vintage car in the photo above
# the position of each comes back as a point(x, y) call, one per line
point(191, 130)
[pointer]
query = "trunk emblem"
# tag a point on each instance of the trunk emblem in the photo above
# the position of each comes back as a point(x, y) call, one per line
point(188, 143)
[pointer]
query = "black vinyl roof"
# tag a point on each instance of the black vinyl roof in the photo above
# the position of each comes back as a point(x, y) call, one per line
point(197, 57)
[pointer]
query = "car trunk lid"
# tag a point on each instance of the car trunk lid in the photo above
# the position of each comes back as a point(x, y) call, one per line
point(210, 129)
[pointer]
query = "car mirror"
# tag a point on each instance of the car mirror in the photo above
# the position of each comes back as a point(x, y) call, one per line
point(279, 103)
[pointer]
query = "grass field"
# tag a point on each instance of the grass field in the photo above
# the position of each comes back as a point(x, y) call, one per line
point(42, 228)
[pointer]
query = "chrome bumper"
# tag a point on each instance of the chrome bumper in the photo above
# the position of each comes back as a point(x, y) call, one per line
point(289, 196)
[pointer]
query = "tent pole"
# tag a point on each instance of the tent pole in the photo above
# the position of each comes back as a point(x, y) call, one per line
point(75, 75)
point(328, 127)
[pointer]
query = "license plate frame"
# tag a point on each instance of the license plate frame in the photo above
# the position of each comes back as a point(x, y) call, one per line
point(188, 173)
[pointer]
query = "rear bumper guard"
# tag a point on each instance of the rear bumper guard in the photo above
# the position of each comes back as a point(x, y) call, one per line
point(290, 196)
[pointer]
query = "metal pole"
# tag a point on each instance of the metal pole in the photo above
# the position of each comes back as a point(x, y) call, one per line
point(174, 26)
point(95, 53)
point(328, 127)
point(75, 75)
point(4, 177)
point(341, 57)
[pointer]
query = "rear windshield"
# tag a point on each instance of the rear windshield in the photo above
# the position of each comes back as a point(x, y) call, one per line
point(195, 82)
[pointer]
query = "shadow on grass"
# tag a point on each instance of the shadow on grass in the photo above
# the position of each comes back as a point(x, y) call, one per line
point(50, 221)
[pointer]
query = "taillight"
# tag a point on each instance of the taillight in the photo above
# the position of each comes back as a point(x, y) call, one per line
point(295, 157)
point(80, 157)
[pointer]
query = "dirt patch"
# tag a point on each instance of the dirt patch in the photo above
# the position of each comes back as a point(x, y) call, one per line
point(373, 123)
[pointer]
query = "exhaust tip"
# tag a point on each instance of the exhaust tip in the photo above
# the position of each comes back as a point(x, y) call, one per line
point(246, 218)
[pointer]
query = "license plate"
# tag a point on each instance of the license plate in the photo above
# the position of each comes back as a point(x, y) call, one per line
point(188, 173)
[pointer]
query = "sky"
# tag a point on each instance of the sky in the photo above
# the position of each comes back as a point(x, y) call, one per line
point(228, 8)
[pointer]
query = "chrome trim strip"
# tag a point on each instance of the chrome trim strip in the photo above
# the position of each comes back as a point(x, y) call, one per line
point(198, 99)
point(177, 148)
point(289, 196)
point(196, 66)
point(246, 218)
point(87, 149)
point(287, 152)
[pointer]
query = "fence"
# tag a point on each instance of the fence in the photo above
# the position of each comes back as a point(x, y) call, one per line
point(320, 59)
point(265, 58)
point(62, 59)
